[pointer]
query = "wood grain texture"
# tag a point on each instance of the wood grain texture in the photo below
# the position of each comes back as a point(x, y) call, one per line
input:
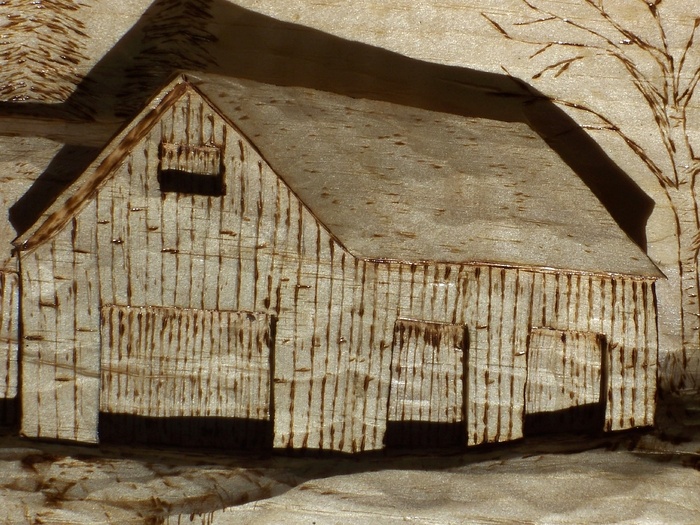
point(259, 248)
point(60, 344)
point(427, 370)
point(565, 370)
point(9, 345)
point(168, 362)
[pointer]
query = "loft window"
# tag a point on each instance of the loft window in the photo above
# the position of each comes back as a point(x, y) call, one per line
point(191, 169)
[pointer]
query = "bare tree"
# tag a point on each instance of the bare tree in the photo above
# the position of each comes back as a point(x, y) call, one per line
point(41, 46)
point(666, 76)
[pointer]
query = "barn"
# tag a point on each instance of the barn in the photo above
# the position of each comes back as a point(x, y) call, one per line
point(277, 266)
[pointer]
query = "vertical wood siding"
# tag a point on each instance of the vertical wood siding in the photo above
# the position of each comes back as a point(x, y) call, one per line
point(258, 249)
point(60, 343)
point(168, 362)
point(427, 372)
point(564, 370)
point(9, 345)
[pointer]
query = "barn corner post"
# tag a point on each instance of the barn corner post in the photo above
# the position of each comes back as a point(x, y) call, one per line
point(59, 371)
point(9, 350)
point(666, 78)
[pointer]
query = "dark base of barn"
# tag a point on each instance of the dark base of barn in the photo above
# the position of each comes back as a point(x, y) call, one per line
point(584, 419)
point(235, 434)
point(9, 413)
point(189, 432)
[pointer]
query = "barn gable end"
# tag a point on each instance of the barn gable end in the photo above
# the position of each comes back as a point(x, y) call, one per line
point(180, 278)
point(255, 248)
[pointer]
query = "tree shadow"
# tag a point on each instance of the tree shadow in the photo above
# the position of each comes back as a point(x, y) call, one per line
point(68, 163)
point(218, 37)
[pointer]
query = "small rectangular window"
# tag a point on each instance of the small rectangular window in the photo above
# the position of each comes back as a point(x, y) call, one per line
point(191, 169)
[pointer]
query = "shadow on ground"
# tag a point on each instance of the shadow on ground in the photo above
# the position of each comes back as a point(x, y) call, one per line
point(129, 484)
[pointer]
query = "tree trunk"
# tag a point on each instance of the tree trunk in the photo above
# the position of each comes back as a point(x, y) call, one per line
point(685, 208)
point(686, 214)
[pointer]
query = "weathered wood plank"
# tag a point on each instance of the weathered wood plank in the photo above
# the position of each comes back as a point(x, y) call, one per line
point(136, 234)
point(521, 325)
point(178, 355)
point(479, 362)
point(651, 346)
point(508, 397)
point(494, 291)
point(342, 337)
point(564, 370)
point(9, 335)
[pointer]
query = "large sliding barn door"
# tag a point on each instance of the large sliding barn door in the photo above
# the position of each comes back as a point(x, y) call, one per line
point(565, 379)
point(186, 364)
point(426, 396)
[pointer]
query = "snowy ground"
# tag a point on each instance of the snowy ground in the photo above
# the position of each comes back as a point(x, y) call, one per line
point(630, 478)
point(590, 487)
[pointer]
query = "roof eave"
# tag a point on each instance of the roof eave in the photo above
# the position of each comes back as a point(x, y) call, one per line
point(653, 273)
point(81, 190)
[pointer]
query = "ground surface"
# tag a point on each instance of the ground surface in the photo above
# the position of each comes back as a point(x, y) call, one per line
point(640, 477)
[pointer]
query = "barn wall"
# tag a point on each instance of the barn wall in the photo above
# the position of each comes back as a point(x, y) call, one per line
point(258, 249)
point(9, 344)
point(493, 303)
point(60, 340)
point(624, 311)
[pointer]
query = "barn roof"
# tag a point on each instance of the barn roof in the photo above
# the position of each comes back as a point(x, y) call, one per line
point(392, 182)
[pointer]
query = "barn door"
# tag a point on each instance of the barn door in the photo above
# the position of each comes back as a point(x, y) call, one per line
point(191, 377)
point(565, 381)
point(426, 399)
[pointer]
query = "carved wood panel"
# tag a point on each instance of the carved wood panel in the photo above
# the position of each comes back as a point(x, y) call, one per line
point(170, 362)
point(565, 378)
point(426, 389)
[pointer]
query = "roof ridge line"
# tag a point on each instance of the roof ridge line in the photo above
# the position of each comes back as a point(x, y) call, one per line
point(76, 195)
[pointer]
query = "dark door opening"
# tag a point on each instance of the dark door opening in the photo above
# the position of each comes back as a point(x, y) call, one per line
point(566, 380)
point(426, 395)
point(186, 377)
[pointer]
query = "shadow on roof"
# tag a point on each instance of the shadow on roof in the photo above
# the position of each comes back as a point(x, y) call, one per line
point(218, 37)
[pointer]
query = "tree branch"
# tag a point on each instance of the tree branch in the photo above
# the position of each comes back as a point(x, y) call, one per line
point(663, 60)
point(608, 125)
point(650, 92)
point(631, 143)
point(688, 45)
point(533, 22)
point(641, 82)
point(660, 56)
point(560, 66)
point(684, 98)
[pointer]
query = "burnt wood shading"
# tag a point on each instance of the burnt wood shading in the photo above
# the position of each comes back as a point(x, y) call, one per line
point(566, 381)
point(9, 348)
point(349, 308)
point(426, 395)
point(191, 169)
